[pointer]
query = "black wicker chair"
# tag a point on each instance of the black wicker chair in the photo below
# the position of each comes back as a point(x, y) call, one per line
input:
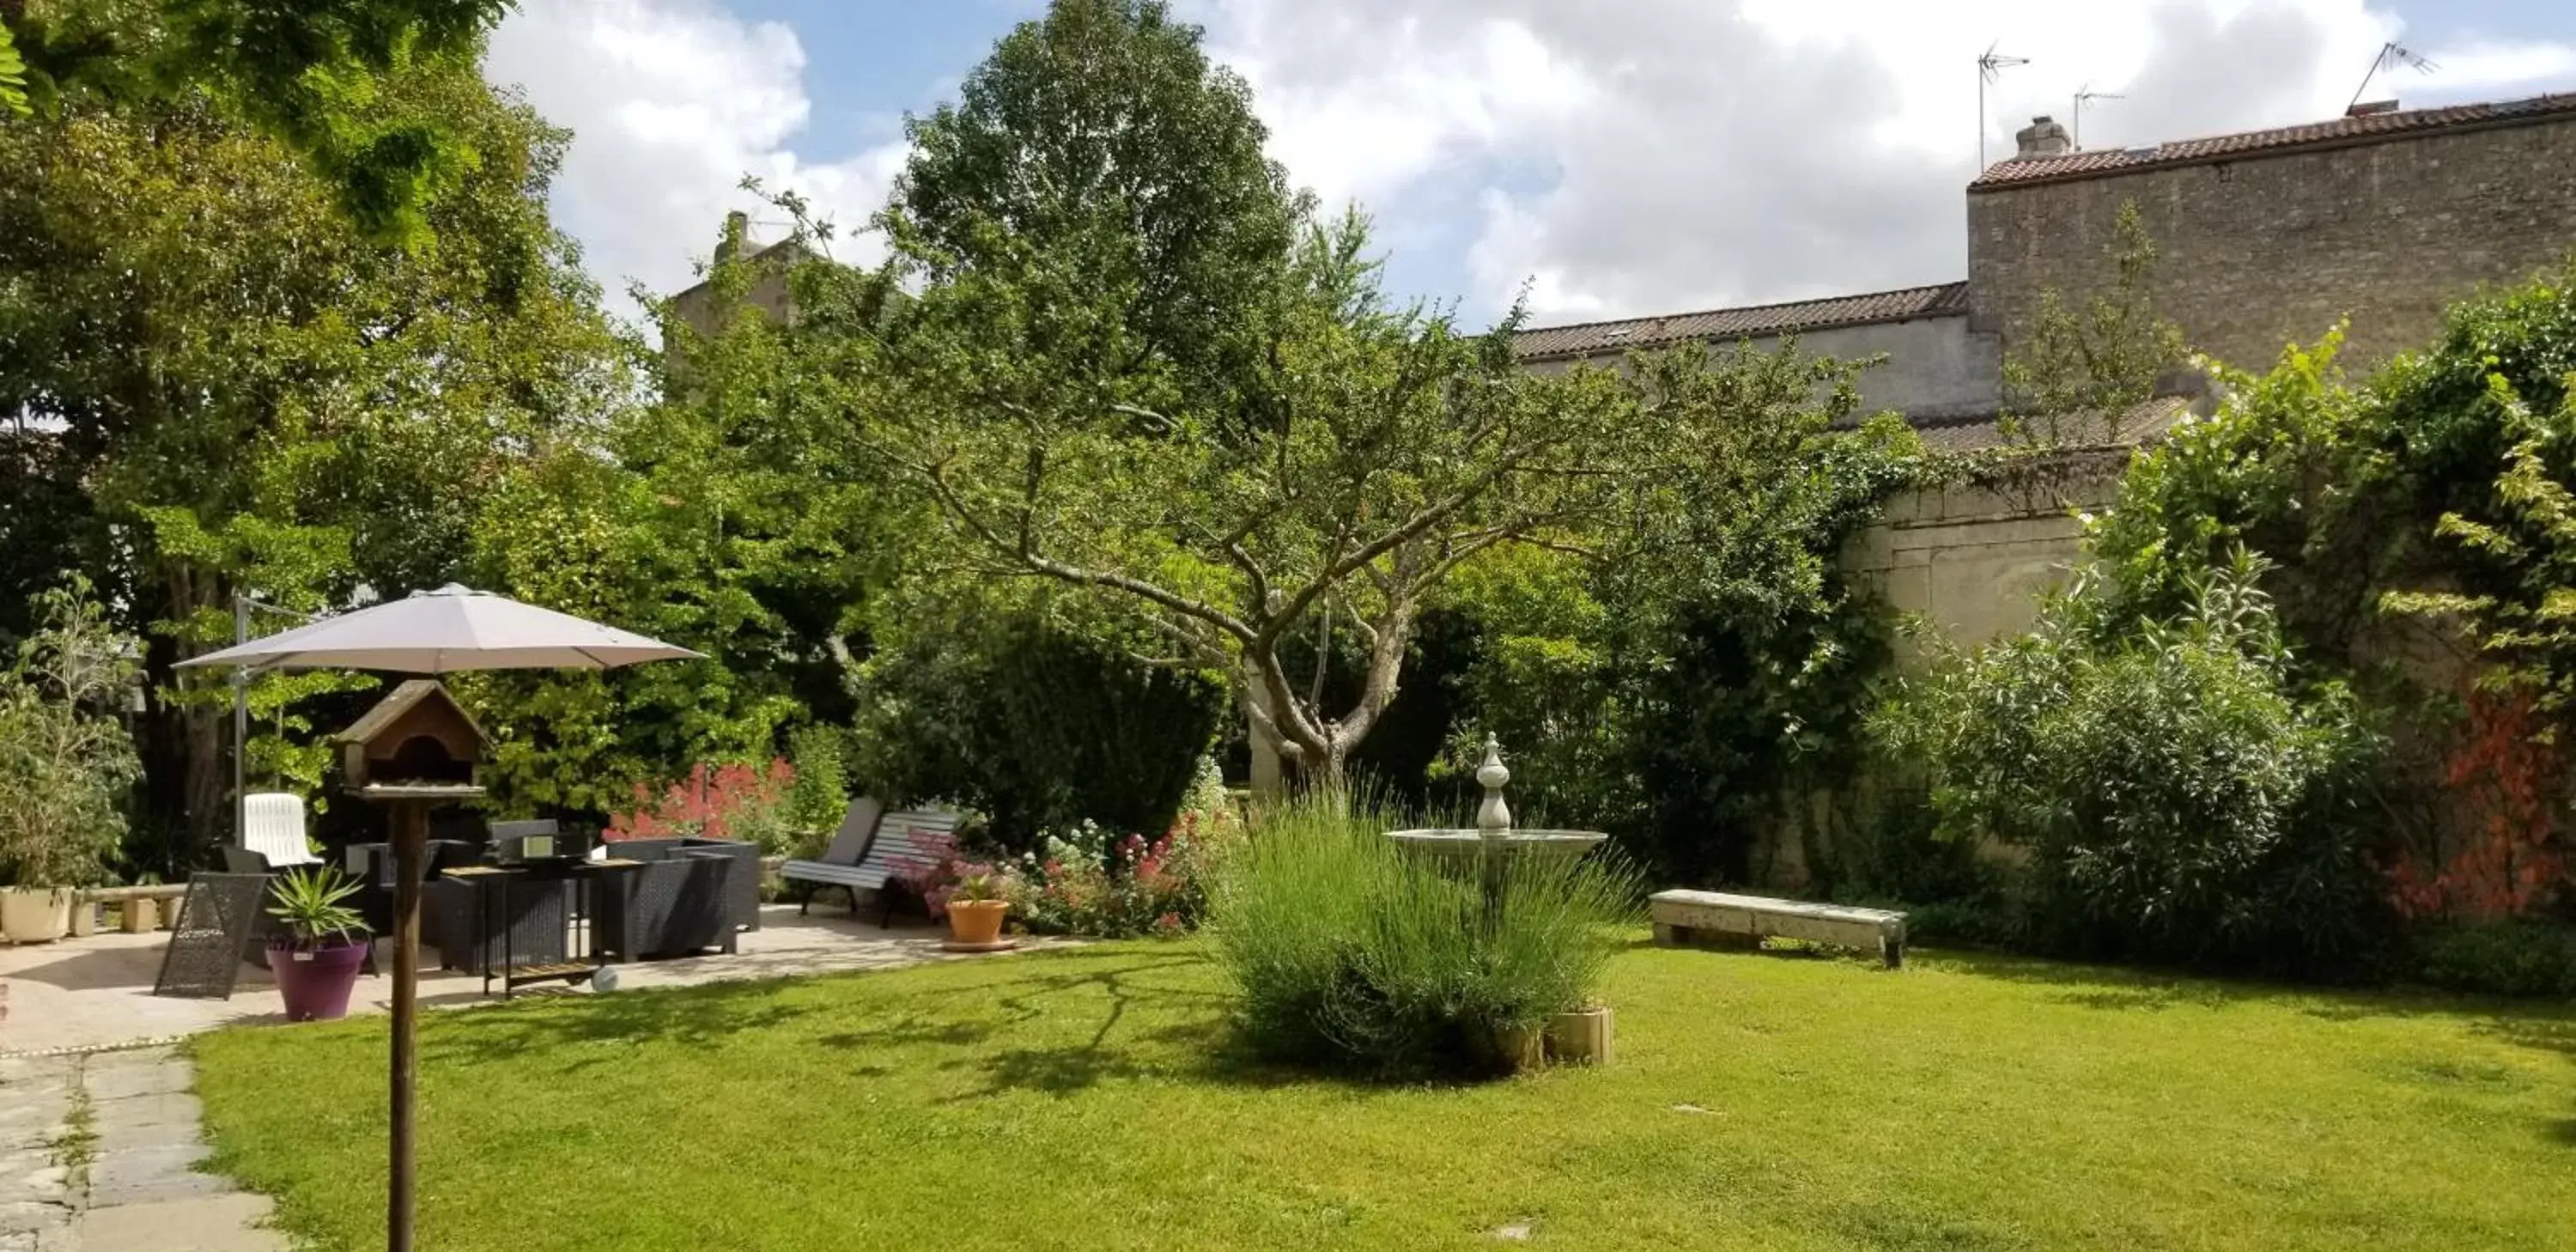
point(742, 886)
point(673, 906)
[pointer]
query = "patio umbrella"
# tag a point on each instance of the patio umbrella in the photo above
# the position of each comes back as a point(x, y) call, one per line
point(445, 631)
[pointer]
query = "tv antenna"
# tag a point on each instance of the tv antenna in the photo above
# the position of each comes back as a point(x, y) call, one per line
point(2390, 56)
point(1990, 67)
point(2085, 95)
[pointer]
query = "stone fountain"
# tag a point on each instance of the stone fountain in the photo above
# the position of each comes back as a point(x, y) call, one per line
point(1580, 1034)
point(1493, 839)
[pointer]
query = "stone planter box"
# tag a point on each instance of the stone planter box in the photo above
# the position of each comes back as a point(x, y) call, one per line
point(36, 914)
point(1582, 1037)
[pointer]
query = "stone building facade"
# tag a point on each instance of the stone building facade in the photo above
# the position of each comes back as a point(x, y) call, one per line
point(2268, 238)
point(2384, 217)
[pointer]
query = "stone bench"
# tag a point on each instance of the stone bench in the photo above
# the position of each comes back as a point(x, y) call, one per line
point(1696, 917)
point(147, 906)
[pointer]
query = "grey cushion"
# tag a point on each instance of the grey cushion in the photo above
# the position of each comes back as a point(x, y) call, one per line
point(858, 825)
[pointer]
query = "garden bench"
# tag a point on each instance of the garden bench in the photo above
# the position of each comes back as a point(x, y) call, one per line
point(869, 850)
point(1687, 917)
point(146, 906)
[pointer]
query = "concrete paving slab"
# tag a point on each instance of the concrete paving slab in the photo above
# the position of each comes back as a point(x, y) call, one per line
point(147, 1174)
point(122, 1082)
point(20, 1216)
point(34, 1070)
point(33, 1178)
point(227, 1223)
point(31, 1118)
point(96, 992)
point(143, 1121)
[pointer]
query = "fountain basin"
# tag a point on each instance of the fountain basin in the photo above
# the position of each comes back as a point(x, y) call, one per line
point(1466, 843)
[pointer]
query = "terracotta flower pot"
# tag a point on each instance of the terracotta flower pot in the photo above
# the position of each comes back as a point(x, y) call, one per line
point(316, 981)
point(976, 921)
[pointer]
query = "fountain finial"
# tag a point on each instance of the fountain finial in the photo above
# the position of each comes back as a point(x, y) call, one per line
point(1493, 817)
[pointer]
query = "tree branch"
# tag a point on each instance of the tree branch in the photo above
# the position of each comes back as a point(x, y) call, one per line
point(1028, 556)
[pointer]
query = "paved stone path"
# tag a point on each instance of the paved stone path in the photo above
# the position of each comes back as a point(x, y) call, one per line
point(98, 1153)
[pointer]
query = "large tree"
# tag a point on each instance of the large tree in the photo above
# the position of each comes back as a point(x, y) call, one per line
point(728, 515)
point(1139, 366)
point(312, 73)
point(1102, 144)
point(1336, 485)
point(253, 394)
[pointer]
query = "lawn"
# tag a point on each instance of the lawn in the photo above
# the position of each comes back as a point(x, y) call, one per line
point(1088, 1099)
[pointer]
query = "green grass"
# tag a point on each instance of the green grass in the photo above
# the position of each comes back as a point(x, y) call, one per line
point(1089, 1099)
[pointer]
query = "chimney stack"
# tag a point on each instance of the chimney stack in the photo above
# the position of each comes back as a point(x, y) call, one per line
point(2042, 138)
point(737, 224)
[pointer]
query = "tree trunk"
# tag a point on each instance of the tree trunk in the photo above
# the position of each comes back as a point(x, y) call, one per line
point(1269, 775)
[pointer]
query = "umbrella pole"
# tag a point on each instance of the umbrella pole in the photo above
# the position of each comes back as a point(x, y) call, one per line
point(411, 835)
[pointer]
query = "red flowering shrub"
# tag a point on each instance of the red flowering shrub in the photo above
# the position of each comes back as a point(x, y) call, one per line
point(734, 801)
point(2512, 863)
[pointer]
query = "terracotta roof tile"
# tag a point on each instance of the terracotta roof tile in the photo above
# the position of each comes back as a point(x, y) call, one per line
point(1754, 321)
point(2141, 423)
point(2100, 161)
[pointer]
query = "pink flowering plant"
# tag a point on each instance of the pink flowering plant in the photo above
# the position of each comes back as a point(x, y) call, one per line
point(1084, 882)
point(931, 873)
point(731, 801)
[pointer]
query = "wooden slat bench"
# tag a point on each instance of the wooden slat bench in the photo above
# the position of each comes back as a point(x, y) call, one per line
point(1691, 917)
point(901, 843)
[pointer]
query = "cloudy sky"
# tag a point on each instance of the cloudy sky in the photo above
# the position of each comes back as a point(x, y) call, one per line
point(1619, 157)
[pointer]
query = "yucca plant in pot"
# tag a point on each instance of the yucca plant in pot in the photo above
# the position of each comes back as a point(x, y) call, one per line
point(976, 905)
point(318, 958)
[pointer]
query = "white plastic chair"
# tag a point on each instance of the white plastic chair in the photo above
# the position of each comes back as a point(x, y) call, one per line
point(273, 826)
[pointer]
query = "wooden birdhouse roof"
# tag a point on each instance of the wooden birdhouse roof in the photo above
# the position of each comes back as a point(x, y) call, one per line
point(410, 695)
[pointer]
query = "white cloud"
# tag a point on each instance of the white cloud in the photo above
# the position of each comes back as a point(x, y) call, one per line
point(671, 103)
point(1651, 155)
point(1666, 154)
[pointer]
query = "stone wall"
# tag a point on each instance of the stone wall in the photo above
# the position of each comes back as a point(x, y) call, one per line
point(1971, 562)
point(2265, 250)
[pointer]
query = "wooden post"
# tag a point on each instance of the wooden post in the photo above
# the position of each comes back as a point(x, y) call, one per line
point(411, 837)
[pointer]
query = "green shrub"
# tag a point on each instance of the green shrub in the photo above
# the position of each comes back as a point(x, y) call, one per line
point(1349, 954)
point(66, 762)
point(1895, 851)
point(1038, 728)
point(2181, 798)
point(2505, 958)
point(820, 795)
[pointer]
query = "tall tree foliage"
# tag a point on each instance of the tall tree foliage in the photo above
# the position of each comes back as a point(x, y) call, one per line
point(1101, 145)
point(254, 395)
point(315, 74)
point(1135, 366)
point(730, 515)
point(1394, 448)
point(1694, 678)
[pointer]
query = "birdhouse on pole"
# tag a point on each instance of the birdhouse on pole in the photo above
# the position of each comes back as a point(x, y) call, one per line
point(419, 735)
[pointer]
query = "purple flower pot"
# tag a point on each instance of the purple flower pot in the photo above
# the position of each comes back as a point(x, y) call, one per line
point(316, 981)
